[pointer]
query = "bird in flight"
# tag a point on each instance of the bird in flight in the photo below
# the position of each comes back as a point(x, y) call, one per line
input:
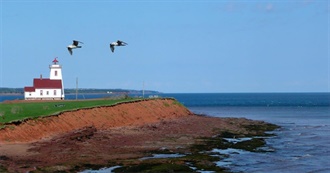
point(74, 45)
point(117, 43)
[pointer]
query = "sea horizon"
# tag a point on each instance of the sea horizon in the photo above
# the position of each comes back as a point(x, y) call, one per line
point(73, 96)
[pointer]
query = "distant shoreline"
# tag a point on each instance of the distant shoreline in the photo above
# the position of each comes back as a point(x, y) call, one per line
point(10, 94)
point(15, 91)
point(156, 92)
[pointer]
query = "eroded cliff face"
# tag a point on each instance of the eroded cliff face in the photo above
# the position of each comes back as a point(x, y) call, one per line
point(102, 118)
point(118, 135)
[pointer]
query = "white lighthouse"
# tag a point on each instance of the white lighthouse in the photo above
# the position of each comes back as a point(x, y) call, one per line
point(47, 88)
point(55, 70)
point(56, 74)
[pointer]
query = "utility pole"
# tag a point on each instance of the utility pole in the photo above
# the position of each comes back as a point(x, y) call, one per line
point(143, 90)
point(77, 88)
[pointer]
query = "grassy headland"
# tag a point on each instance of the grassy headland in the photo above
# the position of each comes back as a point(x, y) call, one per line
point(19, 111)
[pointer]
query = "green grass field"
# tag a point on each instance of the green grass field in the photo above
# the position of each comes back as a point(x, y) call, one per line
point(10, 112)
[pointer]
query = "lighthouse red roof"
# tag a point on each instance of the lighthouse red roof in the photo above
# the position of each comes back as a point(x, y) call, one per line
point(44, 84)
point(29, 89)
point(47, 83)
point(55, 61)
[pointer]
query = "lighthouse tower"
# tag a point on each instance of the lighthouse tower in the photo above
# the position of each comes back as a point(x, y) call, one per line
point(56, 73)
point(55, 70)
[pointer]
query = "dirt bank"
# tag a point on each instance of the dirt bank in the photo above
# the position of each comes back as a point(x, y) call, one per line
point(102, 118)
point(108, 136)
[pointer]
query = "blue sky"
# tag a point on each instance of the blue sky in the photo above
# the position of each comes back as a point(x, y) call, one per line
point(173, 46)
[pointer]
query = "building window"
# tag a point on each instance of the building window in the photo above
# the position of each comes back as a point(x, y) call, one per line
point(55, 72)
point(47, 92)
point(54, 92)
point(41, 92)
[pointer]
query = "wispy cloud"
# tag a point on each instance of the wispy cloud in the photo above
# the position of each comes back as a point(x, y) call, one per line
point(265, 7)
point(269, 7)
point(234, 7)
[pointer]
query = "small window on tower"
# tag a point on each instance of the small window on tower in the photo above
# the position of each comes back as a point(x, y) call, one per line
point(55, 72)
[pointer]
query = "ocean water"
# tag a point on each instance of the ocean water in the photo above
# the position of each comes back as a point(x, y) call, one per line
point(302, 144)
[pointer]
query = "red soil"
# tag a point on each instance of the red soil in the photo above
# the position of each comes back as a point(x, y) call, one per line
point(107, 135)
point(128, 114)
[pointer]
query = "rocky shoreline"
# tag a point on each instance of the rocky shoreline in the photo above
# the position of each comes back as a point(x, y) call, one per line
point(123, 134)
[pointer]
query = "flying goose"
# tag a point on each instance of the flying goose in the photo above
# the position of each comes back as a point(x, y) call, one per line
point(117, 43)
point(74, 45)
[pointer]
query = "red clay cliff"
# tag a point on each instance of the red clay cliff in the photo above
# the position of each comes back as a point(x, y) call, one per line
point(107, 134)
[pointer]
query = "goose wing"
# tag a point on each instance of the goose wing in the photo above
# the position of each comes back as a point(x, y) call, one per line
point(75, 42)
point(121, 43)
point(112, 47)
point(70, 50)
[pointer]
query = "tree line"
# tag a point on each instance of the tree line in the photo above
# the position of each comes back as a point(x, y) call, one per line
point(4, 90)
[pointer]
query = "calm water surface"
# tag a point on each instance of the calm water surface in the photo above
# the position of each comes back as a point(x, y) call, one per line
point(302, 143)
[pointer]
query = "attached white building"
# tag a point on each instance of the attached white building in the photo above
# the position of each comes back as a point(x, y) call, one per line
point(47, 88)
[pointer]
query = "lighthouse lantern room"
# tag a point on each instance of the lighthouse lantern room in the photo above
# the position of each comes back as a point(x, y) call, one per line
point(47, 88)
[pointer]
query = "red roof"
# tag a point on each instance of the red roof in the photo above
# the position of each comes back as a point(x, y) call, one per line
point(29, 89)
point(55, 60)
point(44, 84)
point(47, 83)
